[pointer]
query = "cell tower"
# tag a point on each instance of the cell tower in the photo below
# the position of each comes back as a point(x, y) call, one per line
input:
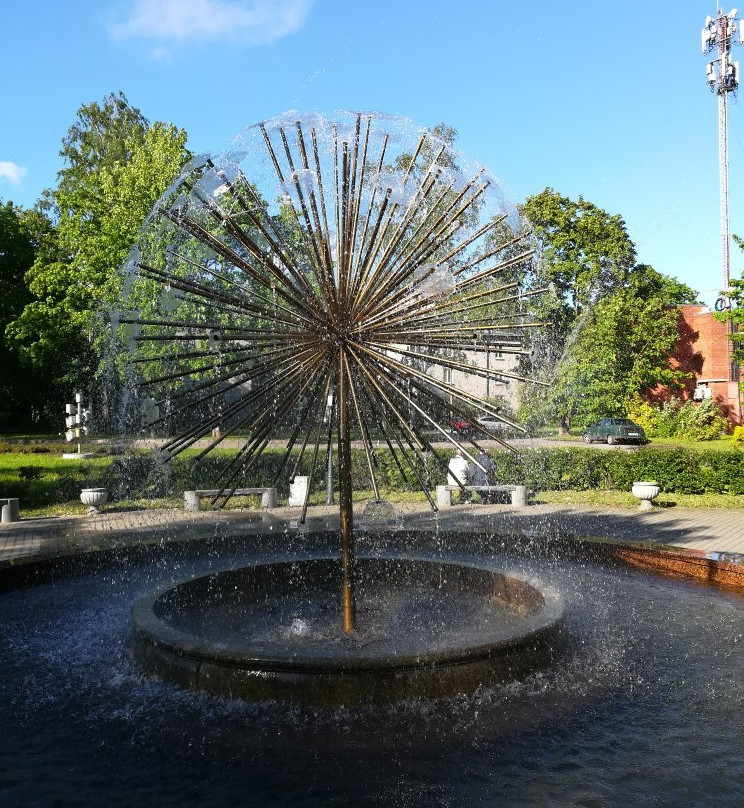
point(723, 77)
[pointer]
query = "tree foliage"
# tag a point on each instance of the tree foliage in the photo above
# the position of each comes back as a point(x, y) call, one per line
point(622, 350)
point(614, 325)
point(16, 256)
point(116, 166)
point(21, 233)
point(585, 251)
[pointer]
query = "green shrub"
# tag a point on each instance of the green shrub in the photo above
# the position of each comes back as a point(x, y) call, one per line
point(702, 422)
point(646, 415)
point(677, 419)
point(8, 446)
point(676, 470)
point(27, 473)
point(737, 436)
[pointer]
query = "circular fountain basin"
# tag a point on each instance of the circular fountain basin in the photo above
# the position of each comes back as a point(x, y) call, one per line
point(272, 631)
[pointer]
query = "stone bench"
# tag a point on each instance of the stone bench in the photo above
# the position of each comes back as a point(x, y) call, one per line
point(518, 493)
point(10, 509)
point(192, 499)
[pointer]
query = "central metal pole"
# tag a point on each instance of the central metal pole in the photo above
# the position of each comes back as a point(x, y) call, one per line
point(345, 497)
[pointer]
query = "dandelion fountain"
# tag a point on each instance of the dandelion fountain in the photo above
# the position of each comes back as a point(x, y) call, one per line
point(381, 251)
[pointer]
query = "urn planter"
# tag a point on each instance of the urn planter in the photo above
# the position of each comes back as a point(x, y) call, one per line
point(94, 498)
point(646, 491)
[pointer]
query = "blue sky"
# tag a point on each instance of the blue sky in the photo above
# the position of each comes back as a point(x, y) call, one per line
point(604, 100)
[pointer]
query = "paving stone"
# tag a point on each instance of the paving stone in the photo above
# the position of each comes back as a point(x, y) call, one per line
point(702, 530)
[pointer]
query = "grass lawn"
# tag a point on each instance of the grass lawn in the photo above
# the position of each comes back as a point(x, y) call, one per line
point(723, 444)
point(46, 478)
point(12, 465)
point(624, 499)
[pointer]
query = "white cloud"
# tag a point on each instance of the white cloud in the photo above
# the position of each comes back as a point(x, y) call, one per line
point(12, 172)
point(251, 22)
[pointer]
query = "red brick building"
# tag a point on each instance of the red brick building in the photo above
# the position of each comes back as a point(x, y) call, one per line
point(704, 350)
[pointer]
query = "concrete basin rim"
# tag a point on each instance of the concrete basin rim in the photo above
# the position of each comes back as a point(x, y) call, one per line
point(548, 619)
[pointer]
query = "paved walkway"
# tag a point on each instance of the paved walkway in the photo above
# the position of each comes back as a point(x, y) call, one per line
point(713, 533)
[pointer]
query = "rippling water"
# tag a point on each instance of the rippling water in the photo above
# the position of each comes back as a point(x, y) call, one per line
point(645, 708)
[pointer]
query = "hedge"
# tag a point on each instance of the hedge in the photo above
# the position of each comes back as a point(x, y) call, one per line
point(142, 475)
point(676, 470)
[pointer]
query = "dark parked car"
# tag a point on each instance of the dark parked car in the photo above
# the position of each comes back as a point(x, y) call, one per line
point(615, 430)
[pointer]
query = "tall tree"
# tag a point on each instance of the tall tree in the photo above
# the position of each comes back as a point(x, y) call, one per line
point(612, 329)
point(116, 166)
point(16, 256)
point(585, 252)
point(21, 233)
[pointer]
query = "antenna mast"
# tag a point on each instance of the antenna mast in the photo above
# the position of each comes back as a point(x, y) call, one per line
point(723, 78)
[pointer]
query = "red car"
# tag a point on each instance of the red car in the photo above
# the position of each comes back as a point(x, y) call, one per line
point(460, 426)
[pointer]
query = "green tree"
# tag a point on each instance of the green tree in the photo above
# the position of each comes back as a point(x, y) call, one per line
point(622, 349)
point(613, 327)
point(16, 256)
point(116, 167)
point(585, 252)
point(21, 233)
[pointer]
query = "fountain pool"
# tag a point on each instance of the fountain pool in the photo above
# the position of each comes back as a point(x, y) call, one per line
point(643, 707)
point(429, 628)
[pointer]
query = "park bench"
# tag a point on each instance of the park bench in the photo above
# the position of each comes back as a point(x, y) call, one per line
point(518, 493)
point(192, 499)
point(9, 509)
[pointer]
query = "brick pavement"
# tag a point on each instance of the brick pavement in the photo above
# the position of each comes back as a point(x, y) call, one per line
point(710, 532)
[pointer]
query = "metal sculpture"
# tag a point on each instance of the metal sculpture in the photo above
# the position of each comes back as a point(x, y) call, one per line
point(322, 307)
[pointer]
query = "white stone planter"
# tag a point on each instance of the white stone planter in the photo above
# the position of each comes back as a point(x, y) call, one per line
point(646, 492)
point(94, 498)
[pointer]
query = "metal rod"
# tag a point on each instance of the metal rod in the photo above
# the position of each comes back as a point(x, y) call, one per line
point(360, 275)
point(346, 508)
point(365, 432)
point(316, 448)
point(422, 192)
point(426, 245)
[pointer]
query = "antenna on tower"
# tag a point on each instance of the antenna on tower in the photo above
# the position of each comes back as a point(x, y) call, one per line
point(723, 78)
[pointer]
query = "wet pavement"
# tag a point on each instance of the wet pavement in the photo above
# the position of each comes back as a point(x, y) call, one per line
point(713, 533)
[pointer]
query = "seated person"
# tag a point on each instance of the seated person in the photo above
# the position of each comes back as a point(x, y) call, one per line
point(483, 476)
point(457, 474)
